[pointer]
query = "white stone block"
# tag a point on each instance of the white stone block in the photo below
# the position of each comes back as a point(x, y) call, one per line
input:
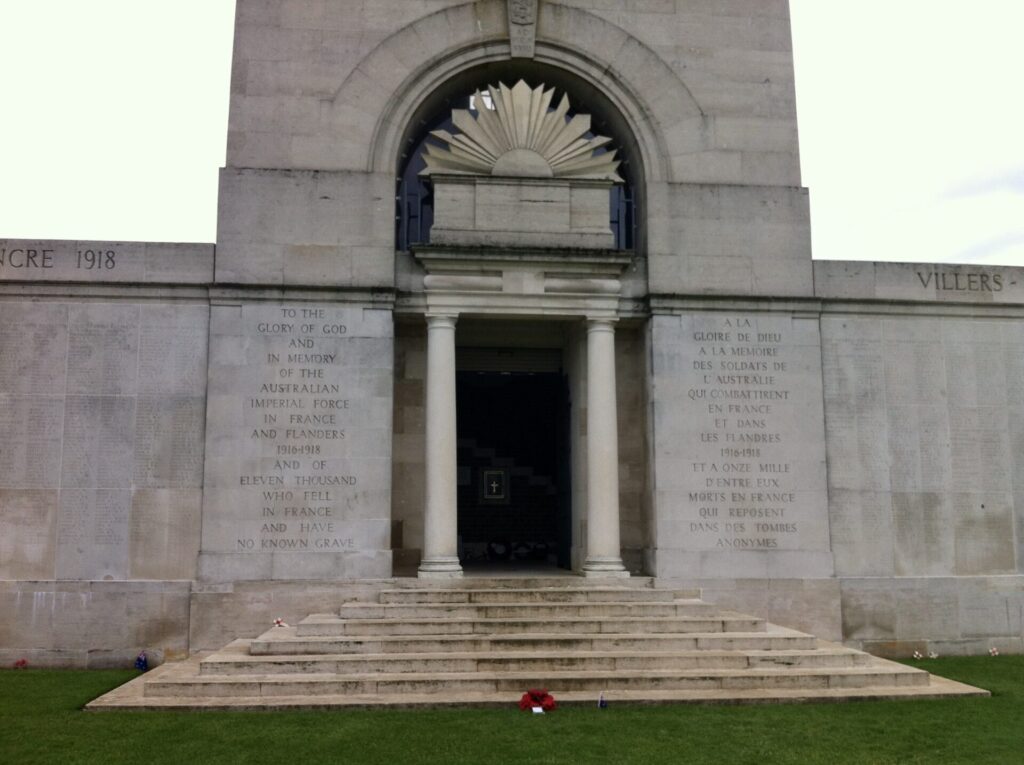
point(518, 212)
point(737, 449)
point(299, 463)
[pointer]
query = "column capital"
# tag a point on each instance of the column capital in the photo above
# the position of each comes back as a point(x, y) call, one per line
point(601, 323)
point(442, 320)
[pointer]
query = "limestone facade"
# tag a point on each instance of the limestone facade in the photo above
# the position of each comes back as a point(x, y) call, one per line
point(196, 439)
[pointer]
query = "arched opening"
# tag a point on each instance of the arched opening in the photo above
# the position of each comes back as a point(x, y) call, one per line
point(414, 213)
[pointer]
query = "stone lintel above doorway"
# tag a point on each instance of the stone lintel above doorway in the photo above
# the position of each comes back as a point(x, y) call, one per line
point(538, 281)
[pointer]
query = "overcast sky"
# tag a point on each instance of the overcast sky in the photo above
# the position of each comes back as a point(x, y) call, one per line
point(113, 118)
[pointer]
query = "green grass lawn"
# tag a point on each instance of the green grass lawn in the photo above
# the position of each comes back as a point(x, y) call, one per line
point(41, 722)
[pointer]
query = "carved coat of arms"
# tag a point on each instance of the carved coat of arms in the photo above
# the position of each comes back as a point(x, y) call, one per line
point(522, 11)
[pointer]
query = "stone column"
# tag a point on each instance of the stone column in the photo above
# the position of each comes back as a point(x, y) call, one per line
point(440, 512)
point(604, 556)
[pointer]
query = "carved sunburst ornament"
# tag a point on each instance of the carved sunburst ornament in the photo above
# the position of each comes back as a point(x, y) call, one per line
point(521, 136)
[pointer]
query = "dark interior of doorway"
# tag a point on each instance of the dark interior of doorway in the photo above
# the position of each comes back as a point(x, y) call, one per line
point(514, 470)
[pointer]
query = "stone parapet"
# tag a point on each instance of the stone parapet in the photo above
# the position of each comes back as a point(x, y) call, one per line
point(918, 282)
point(95, 262)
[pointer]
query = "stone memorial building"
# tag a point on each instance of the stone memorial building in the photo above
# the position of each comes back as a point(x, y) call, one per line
point(498, 286)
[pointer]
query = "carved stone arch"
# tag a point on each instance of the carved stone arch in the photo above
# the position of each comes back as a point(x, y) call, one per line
point(392, 87)
point(636, 120)
point(434, 117)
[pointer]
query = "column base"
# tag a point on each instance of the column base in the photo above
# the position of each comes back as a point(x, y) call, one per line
point(440, 568)
point(608, 568)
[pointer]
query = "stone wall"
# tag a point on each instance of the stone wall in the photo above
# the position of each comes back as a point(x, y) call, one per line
point(738, 466)
point(102, 411)
point(408, 444)
point(723, 240)
point(311, 79)
point(837, 446)
point(298, 479)
point(924, 407)
point(323, 92)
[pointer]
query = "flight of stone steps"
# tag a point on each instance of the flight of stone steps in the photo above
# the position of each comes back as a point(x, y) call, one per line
point(486, 641)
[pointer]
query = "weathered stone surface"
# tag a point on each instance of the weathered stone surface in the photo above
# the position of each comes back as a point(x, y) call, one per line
point(164, 533)
point(33, 349)
point(729, 240)
point(28, 544)
point(432, 646)
point(941, 282)
point(59, 260)
point(306, 228)
point(739, 476)
point(407, 476)
point(951, 615)
point(30, 441)
point(93, 624)
point(520, 212)
point(101, 401)
point(811, 605)
point(920, 429)
point(224, 612)
point(888, 446)
point(298, 469)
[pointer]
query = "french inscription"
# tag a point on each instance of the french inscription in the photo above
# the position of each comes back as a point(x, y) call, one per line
point(26, 257)
point(956, 281)
point(46, 258)
point(90, 261)
point(742, 493)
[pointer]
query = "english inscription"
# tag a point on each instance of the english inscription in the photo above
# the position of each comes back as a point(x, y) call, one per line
point(297, 414)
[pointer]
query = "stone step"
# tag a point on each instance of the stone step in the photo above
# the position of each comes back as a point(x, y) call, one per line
point(328, 624)
point(285, 642)
point(485, 641)
point(543, 595)
point(131, 696)
point(556, 681)
point(566, 581)
point(236, 659)
point(602, 609)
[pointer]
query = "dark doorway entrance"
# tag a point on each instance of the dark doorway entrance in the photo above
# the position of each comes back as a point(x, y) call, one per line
point(514, 469)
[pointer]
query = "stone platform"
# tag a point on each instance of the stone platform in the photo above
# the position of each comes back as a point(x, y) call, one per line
point(483, 642)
